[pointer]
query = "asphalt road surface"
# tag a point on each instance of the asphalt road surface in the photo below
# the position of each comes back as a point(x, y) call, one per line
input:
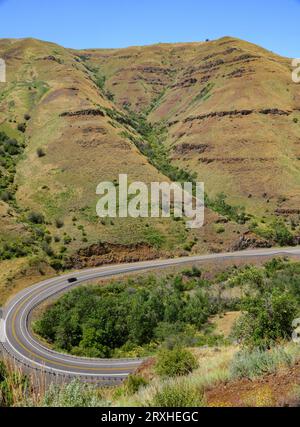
point(21, 344)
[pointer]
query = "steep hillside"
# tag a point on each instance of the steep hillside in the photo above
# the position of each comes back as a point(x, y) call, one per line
point(232, 111)
point(225, 112)
point(68, 135)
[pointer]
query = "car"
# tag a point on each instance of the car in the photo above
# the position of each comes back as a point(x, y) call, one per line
point(72, 279)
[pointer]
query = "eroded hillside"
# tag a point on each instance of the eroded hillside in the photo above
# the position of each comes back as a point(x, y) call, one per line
point(232, 110)
point(224, 112)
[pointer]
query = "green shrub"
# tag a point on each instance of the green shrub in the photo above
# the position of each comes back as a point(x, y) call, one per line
point(176, 362)
point(110, 95)
point(249, 275)
point(67, 240)
point(11, 250)
point(220, 229)
point(59, 223)
point(36, 218)
point(100, 82)
point(48, 238)
point(198, 309)
point(47, 249)
point(40, 152)
point(256, 363)
point(57, 264)
point(10, 149)
point(6, 196)
point(281, 233)
point(276, 231)
point(74, 394)
point(220, 205)
point(180, 395)
point(189, 246)
point(194, 272)
point(176, 334)
point(268, 319)
point(133, 384)
point(22, 127)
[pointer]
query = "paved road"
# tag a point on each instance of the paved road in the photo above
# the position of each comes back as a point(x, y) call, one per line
point(24, 347)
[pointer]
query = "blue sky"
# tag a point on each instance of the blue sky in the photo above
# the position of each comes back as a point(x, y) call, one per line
point(273, 24)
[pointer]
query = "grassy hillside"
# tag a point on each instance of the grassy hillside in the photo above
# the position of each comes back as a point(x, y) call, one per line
point(232, 111)
point(224, 112)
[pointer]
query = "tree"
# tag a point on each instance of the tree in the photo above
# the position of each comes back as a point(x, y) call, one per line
point(147, 311)
point(174, 308)
point(267, 319)
point(197, 310)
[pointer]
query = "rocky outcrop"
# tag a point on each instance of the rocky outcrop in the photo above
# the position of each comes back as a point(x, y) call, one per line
point(208, 160)
point(172, 123)
point(287, 211)
point(52, 58)
point(250, 240)
point(245, 58)
point(240, 72)
point(233, 113)
point(212, 65)
point(185, 83)
point(152, 69)
point(216, 64)
point(153, 81)
point(224, 52)
point(147, 69)
point(205, 78)
point(96, 129)
point(275, 111)
point(110, 253)
point(187, 148)
point(219, 114)
point(88, 112)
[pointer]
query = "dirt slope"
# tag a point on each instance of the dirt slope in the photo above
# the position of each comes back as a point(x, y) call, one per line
point(232, 109)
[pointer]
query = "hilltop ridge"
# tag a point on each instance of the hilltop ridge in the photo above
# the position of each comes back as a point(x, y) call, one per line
point(225, 112)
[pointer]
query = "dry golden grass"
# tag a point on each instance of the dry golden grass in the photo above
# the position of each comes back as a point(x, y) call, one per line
point(223, 324)
point(245, 155)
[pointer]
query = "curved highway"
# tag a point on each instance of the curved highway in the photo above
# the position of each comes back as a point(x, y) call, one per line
point(21, 344)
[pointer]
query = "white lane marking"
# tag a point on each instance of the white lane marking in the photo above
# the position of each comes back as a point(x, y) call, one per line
point(45, 367)
point(2, 331)
point(59, 356)
point(141, 266)
point(158, 263)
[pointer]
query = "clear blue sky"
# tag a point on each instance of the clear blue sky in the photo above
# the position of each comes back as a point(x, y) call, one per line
point(273, 24)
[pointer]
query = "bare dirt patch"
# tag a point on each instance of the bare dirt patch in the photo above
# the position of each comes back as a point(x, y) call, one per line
point(223, 324)
point(267, 391)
